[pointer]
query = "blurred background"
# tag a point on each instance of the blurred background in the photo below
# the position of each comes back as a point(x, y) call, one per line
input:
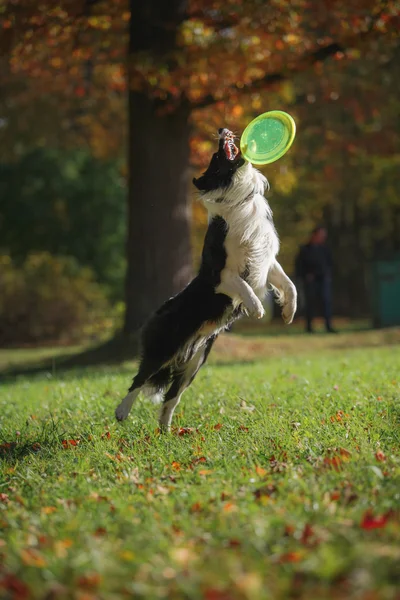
point(109, 109)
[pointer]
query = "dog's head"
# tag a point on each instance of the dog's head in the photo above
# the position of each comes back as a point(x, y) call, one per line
point(223, 166)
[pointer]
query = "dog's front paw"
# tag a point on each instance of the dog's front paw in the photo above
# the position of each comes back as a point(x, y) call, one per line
point(257, 310)
point(288, 312)
point(122, 411)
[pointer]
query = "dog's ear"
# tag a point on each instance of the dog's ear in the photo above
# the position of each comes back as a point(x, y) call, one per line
point(196, 182)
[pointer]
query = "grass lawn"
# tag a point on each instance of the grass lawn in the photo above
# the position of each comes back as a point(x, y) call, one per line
point(286, 487)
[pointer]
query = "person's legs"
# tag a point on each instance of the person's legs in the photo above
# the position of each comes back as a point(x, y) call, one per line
point(309, 297)
point(326, 297)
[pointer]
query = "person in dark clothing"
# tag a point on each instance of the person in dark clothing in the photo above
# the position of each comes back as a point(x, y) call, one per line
point(314, 269)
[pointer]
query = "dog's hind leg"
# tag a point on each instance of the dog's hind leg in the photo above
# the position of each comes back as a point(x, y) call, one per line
point(124, 408)
point(286, 291)
point(181, 382)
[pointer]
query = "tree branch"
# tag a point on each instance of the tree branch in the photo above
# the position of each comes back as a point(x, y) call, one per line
point(319, 55)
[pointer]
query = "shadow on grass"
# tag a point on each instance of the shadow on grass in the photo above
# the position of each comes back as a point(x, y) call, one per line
point(231, 349)
point(112, 352)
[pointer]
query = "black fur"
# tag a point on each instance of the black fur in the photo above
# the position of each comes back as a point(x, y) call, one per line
point(188, 324)
point(220, 170)
point(177, 320)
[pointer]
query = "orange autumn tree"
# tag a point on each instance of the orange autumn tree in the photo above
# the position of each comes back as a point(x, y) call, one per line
point(175, 59)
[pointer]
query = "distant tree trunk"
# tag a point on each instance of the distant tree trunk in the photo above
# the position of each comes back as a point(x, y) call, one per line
point(158, 246)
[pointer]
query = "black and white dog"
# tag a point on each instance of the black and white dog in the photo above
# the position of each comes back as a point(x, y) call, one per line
point(238, 263)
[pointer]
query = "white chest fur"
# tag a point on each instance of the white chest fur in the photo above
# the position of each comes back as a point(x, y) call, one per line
point(251, 242)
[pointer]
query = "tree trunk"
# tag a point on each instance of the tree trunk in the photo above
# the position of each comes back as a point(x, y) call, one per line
point(158, 246)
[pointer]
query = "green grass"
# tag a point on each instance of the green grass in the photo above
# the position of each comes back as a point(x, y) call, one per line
point(267, 497)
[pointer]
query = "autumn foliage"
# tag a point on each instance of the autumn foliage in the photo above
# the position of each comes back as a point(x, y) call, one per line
point(69, 67)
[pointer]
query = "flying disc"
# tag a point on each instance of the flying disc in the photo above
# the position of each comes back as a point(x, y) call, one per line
point(268, 137)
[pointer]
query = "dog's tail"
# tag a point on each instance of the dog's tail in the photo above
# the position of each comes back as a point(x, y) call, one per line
point(153, 393)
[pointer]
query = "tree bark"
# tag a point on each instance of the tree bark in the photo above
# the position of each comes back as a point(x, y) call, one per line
point(159, 248)
point(158, 244)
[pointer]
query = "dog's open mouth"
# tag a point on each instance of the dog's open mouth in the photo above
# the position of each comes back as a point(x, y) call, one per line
point(230, 149)
point(229, 146)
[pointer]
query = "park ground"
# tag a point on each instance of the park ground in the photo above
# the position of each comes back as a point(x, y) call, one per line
point(280, 479)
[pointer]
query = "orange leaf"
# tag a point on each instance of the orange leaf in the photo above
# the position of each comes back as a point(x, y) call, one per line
point(176, 466)
point(345, 453)
point(48, 510)
point(334, 462)
point(380, 456)
point(243, 428)
point(290, 557)
point(200, 459)
point(205, 472)
point(196, 507)
point(185, 430)
point(32, 558)
point(230, 507)
point(260, 471)
point(69, 443)
point(218, 426)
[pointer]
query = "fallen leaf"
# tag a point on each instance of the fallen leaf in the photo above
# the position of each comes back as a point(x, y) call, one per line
point(205, 472)
point(61, 547)
point(265, 491)
point(335, 495)
point(380, 457)
point(230, 507)
point(7, 446)
point(260, 471)
point(185, 430)
point(4, 498)
point(369, 521)
point(19, 590)
point(290, 557)
point(32, 558)
point(48, 510)
point(200, 459)
point(307, 534)
point(345, 454)
point(243, 428)
point(69, 443)
point(100, 531)
point(196, 507)
point(289, 530)
point(218, 426)
point(176, 466)
point(334, 462)
point(90, 581)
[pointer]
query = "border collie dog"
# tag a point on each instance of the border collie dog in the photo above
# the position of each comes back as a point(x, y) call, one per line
point(238, 264)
